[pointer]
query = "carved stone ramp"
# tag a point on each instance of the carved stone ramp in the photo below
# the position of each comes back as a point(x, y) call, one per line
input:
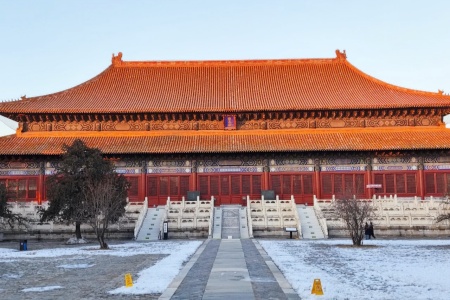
point(231, 222)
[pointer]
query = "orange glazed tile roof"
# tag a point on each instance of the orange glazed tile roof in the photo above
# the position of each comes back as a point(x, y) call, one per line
point(50, 143)
point(227, 86)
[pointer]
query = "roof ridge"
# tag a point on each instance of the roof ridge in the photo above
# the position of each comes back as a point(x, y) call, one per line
point(118, 62)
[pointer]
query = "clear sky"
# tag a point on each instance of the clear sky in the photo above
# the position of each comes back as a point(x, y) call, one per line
point(48, 46)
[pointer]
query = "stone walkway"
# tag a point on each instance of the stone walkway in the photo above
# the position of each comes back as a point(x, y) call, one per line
point(230, 269)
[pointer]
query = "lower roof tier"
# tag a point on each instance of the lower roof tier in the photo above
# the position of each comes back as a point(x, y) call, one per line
point(411, 138)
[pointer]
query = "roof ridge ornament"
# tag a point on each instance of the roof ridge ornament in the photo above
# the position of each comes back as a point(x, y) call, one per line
point(440, 92)
point(341, 55)
point(117, 60)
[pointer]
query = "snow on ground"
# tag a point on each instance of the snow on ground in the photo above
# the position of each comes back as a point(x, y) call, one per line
point(76, 266)
point(382, 269)
point(42, 289)
point(169, 266)
point(160, 274)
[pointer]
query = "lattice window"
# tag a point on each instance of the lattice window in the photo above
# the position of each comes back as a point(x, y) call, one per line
point(184, 185)
point(134, 186)
point(204, 186)
point(390, 183)
point(400, 183)
point(359, 184)
point(152, 186)
point(307, 184)
point(396, 183)
point(348, 184)
point(297, 184)
point(235, 184)
point(164, 186)
point(22, 188)
point(174, 186)
point(327, 186)
point(214, 186)
point(338, 184)
point(440, 183)
point(32, 188)
point(246, 185)
point(411, 183)
point(345, 185)
point(256, 184)
point(225, 185)
point(286, 188)
point(429, 183)
point(276, 184)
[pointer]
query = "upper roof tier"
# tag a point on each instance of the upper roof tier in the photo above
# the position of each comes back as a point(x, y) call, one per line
point(227, 86)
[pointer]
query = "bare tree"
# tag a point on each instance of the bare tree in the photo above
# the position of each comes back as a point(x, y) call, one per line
point(355, 213)
point(104, 202)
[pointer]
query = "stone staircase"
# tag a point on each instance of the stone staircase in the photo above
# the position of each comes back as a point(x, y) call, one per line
point(231, 222)
point(151, 225)
point(309, 223)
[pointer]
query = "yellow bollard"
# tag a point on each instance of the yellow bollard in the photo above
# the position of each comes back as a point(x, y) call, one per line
point(128, 280)
point(317, 288)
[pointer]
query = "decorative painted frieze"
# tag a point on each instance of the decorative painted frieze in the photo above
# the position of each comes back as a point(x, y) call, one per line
point(291, 161)
point(162, 170)
point(214, 121)
point(19, 165)
point(437, 167)
point(395, 167)
point(128, 171)
point(342, 168)
point(4, 172)
point(395, 160)
point(292, 169)
point(230, 169)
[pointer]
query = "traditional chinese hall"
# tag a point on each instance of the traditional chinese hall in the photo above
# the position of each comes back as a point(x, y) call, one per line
point(231, 129)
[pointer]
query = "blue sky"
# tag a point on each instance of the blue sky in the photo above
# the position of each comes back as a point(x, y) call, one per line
point(48, 46)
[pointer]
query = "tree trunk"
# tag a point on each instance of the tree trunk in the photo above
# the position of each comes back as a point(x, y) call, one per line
point(101, 240)
point(78, 230)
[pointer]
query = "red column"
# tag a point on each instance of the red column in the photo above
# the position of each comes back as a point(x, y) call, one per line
point(420, 179)
point(194, 179)
point(369, 191)
point(317, 187)
point(41, 183)
point(41, 189)
point(143, 182)
point(265, 178)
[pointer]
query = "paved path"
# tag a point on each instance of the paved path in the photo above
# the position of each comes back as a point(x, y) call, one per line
point(230, 269)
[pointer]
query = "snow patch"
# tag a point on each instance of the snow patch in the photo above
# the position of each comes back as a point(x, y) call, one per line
point(150, 281)
point(75, 241)
point(42, 288)
point(13, 276)
point(78, 266)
